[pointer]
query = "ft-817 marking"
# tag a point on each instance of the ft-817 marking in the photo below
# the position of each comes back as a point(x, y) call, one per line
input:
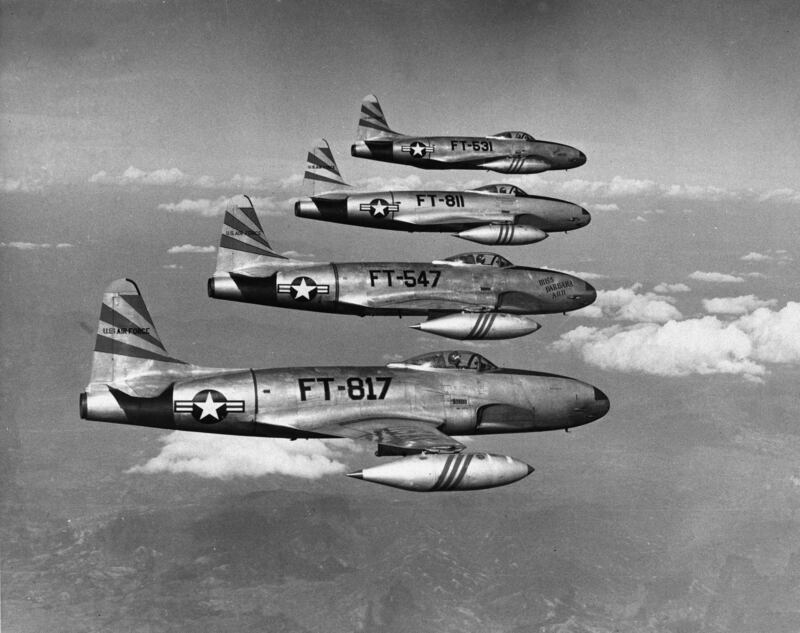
point(355, 387)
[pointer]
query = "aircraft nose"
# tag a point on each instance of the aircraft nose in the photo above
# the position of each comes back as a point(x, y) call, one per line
point(585, 297)
point(580, 159)
point(596, 407)
point(586, 217)
point(590, 404)
point(601, 404)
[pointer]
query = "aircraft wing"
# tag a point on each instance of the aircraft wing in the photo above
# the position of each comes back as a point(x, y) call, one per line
point(403, 433)
point(415, 302)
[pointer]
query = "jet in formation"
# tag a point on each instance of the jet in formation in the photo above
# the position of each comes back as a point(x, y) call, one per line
point(410, 408)
point(506, 152)
point(499, 214)
point(469, 296)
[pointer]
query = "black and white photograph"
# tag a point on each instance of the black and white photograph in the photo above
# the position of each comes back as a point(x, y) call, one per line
point(458, 316)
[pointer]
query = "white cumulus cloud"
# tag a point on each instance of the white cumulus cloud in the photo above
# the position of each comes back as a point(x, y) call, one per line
point(225, 456)
point(584, 275)
point(191, 248)
point(706, 345)
point(174, 176)
point(207, 207)
point(736, 305)
point(752, 256)
point(627, 304)
point(713, 277)
point(665, 288)
point(30, 246)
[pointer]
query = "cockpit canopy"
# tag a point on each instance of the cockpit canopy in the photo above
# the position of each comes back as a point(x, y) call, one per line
point(521, 136)
point(509, 190)
point(450, 359)
point(481, 259)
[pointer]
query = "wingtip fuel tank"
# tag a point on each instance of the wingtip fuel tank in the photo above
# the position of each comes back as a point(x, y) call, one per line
point(468, 326)
point(440, 472)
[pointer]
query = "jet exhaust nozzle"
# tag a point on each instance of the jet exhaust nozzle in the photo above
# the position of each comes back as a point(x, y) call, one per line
point(441, 472)
point(503, 234)
point(222, 286)
point(467, 326)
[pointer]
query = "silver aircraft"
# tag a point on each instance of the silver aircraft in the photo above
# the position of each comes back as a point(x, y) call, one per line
point(506, 152)
point(493, 214)
point(467, 296)
point(409, 408)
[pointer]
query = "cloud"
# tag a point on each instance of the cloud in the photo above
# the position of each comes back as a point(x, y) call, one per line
point(208, 208)
point(626, 304)
point(191, 248)
point(721, 278)
point(584, 275)
point(665, 288)
point(14, 185)
point(781, 195)
point(291, 182)
point(706, 345)
point(736, 305)
point(612, 206)
point(176, 177)
point(29, 246)
point(380, 183)
point(297, 255)
point(755, 257)
point(224, 457)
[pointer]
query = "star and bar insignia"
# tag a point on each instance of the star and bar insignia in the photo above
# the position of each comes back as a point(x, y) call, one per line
point(379, 208)
point(303, 289)
point(209, 406)
point(418, 149)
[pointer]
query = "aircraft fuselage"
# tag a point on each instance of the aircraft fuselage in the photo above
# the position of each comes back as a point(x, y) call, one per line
point(503, 155)
point(406, 288)
point(430, 211)
point(304, 401)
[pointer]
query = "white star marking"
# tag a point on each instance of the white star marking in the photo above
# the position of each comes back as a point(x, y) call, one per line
point(209, 407)
point(302, 290)
point(380, 208)
point(417, 149)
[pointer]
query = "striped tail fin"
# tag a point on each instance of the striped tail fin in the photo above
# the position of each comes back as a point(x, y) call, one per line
point(321, 169)
point(128, 346)
point(243, 242)
point(372, 123)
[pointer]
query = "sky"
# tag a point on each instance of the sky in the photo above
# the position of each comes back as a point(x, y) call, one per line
point(125, 127)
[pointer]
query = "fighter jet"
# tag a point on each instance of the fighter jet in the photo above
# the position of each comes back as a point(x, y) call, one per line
point(506, 152)
point(467, 296)
point(494, 214)
point(408, 408)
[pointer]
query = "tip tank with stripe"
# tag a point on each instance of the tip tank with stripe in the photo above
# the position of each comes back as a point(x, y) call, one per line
point(443, 472)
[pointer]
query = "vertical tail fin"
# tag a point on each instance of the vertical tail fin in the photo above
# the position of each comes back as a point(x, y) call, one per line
point(243, 242)
point(321, 168)
point(372, 123)
point(127, 344)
